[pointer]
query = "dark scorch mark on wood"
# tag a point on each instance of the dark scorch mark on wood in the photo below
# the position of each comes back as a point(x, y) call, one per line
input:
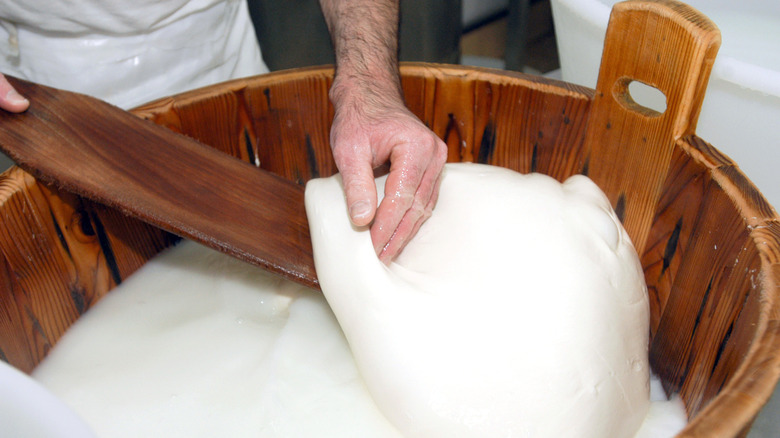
point(620, 206)
point(488, 144)
point(60, 235)
point(671, 246)
point(311, 158)
point(108, 251)
point(250, 151)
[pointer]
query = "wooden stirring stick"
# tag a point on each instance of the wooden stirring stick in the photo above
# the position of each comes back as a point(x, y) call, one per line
point(96, 150)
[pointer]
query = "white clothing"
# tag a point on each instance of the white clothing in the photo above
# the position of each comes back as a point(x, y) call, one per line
point(128, 52)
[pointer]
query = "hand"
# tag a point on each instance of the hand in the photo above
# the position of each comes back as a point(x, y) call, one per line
point(10, 99)
point(372, 126)
point(367, 132)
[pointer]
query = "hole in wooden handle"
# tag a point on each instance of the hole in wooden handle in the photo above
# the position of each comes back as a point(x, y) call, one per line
point(640, 97)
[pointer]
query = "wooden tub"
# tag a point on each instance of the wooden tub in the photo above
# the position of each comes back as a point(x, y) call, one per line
point(708, 241)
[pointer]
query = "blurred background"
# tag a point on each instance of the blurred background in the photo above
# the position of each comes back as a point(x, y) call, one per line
point(507, 34)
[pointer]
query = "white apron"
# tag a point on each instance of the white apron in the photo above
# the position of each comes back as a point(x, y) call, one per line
point(128, 52)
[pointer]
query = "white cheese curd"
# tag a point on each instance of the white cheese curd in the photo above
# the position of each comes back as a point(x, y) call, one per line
point(196, 344)
point(519, 309)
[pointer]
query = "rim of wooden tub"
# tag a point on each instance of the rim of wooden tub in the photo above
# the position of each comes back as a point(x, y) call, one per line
point(693, 167)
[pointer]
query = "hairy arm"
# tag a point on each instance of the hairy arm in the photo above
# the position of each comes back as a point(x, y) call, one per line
point(372, 126)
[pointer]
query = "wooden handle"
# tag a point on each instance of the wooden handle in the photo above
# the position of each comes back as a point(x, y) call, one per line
point(666, 45)
point(103, 153)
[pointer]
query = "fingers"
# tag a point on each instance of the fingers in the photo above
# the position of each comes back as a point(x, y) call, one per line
point(355, 163)
point(411, 191)
point(10, 99)
point(362, 139)
point(412, 219)
point(401, 201)
point(360, 190)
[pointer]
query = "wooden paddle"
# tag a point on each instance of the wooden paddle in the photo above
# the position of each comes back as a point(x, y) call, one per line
point(96, 150)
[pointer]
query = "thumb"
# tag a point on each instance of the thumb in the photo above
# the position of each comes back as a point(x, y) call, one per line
point(10, 99)
point(360, 190)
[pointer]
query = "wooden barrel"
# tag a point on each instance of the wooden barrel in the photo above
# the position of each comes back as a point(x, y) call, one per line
point(708, 241)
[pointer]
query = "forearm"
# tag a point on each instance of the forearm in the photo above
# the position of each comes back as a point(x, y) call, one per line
point(372, 126)
point(365, 41)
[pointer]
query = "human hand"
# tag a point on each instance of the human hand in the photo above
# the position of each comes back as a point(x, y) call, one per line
point(372, 126)
point(10, 99)
point(369, 131)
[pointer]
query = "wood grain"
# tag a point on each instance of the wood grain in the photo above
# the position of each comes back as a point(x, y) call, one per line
point(711, 243)
point(666, 45)
point(96, 150)
point(61, 254)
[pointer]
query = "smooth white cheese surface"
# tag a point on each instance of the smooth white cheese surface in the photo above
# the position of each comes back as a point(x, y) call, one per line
point(519, 309)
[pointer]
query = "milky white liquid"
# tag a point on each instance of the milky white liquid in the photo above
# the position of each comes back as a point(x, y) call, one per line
point(198, 344)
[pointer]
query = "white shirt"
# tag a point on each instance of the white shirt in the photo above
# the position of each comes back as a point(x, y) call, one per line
point(128, 52)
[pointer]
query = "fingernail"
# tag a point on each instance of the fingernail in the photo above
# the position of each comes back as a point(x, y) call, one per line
point(14, 97)
point(359, 209)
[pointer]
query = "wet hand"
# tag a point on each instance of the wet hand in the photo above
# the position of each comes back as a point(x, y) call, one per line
point(367, 135)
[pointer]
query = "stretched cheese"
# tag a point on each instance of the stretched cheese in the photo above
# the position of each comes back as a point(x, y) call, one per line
point(519, 309)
